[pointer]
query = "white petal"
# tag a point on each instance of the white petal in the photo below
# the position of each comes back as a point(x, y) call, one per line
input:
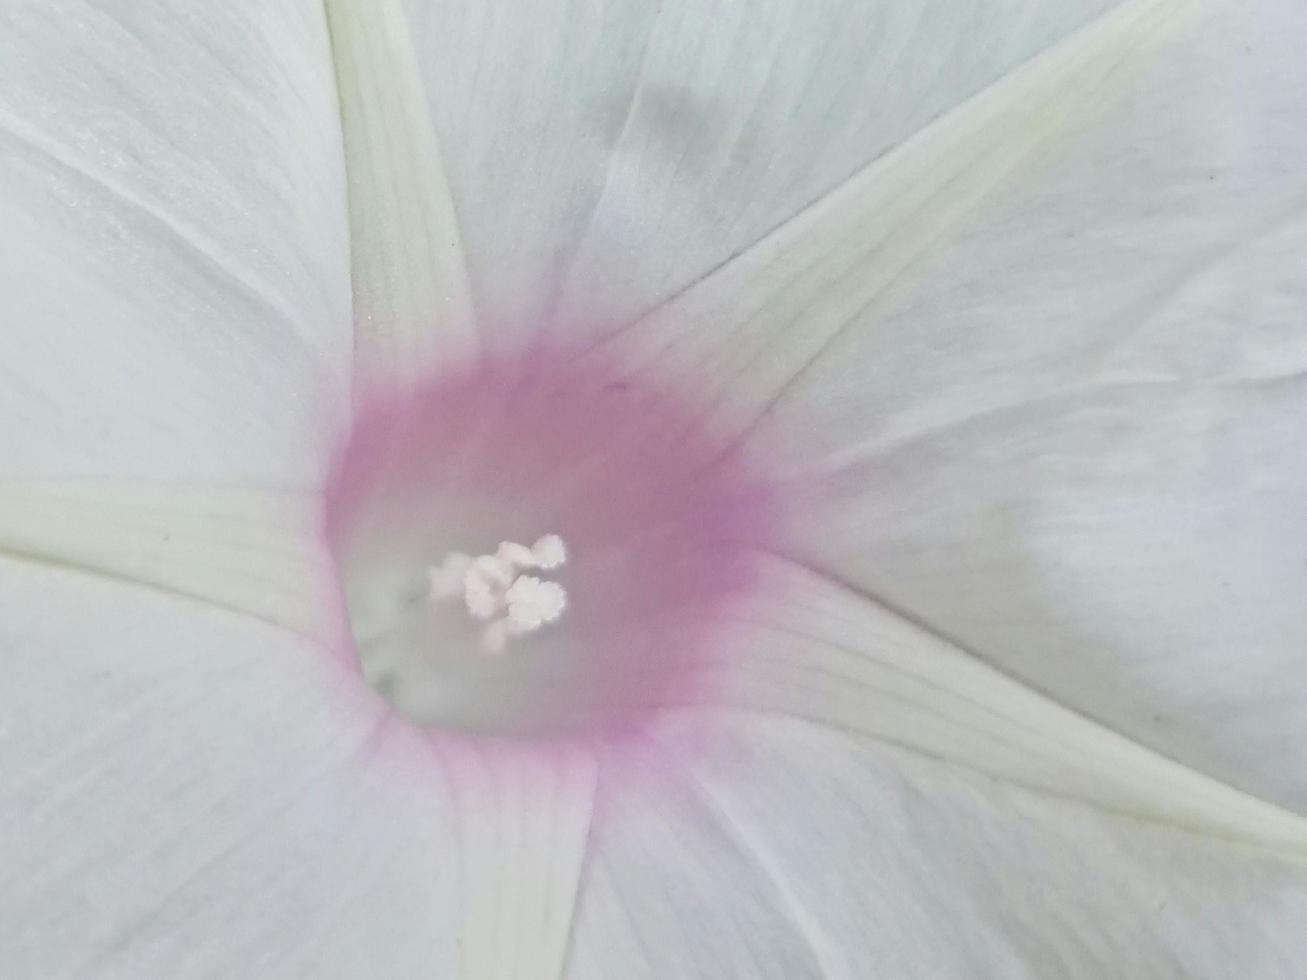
point(522, 815)
point(821, 652)
point(1041, 370)
point(757, 326)
point(605, 154)
point(174, 241)
point(1089, 465)
point(411, 302)
point(189, 793)
point(888, 864)
point(258, 552)
point(669, 891)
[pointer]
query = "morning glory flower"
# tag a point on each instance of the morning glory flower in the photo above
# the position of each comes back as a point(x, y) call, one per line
point(603, 490)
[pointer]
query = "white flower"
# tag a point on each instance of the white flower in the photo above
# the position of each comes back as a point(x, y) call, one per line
point(1002, 302)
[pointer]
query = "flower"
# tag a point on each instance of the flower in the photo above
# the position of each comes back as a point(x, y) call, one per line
point(983, 329)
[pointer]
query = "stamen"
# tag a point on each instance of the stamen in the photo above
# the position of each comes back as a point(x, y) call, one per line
point(532, 602)
point(549, 552)
point(481, 597)
point(512, 605)
point(516, 554)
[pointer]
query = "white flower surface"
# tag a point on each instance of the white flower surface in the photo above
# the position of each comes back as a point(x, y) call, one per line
point(1010, 291)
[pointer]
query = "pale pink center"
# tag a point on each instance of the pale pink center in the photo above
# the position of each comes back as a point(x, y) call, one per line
point(648, 529)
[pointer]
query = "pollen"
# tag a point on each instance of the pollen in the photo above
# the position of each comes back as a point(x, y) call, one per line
point(493, 591)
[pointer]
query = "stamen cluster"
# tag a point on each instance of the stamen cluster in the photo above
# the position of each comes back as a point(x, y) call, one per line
point(511, 604)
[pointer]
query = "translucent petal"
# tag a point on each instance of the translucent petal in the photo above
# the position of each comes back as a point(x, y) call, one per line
point(885, 863)
point(190, 793)
point(522, 815)
point(1040, 371)
point(172, 242)
point(412, 308)
point(669, 891)
point(1083, 452)
point(755, 327)
point(603, 155)
point(824, 653)
point(258, 552)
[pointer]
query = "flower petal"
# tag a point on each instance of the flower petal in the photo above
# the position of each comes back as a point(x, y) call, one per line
point(522, 814)
point(175, 251)
point(1047, 394)
point(412, 307)
point(757, 325)
point(669, 891)
point(605, 154)
point(190, 794)
point(258, 552)
point(822, 652)
point(888, 864)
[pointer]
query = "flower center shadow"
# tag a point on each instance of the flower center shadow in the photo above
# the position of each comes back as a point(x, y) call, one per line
point(528, 546)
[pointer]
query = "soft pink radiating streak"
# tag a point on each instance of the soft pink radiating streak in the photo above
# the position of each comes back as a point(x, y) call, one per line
point(661, 522)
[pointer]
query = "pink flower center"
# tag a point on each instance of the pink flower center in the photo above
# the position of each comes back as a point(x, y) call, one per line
point(538, 544)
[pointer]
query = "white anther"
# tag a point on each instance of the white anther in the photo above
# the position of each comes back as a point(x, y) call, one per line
point(482, 598)
point(515, 554)
point(533, 602)
point(493, 591)
point(549, 552)
point(493, 570)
